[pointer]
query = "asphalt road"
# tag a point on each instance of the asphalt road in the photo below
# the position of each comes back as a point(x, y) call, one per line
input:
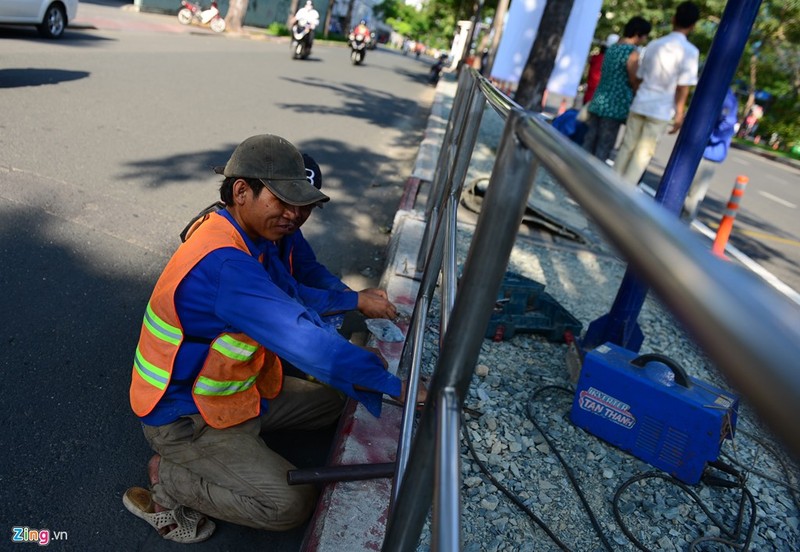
point(107, 139)
point(767, 225)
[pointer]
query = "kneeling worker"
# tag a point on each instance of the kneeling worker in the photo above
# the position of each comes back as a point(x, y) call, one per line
point(207, 377)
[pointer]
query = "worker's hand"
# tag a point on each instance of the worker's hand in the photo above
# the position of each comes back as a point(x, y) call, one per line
point(422, 393)
point(374, 303)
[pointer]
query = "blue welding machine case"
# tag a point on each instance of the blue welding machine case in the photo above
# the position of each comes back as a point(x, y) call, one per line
point(648, 406)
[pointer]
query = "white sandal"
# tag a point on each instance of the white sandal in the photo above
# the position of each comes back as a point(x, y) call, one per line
point(188, 522)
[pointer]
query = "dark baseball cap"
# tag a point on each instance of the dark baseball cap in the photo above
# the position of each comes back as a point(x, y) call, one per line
point(278, 164)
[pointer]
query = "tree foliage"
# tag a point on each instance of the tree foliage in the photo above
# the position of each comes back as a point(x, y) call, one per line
point(434, 24)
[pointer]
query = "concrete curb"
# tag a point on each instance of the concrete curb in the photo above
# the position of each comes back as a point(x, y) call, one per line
point(767, 155)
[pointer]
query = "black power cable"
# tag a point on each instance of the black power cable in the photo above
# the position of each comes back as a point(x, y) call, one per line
point(789, 484)
point(567, 468)
point(514, 498)
point(733, 536)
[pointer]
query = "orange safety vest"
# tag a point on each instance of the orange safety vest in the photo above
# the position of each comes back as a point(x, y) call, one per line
point(237, 372)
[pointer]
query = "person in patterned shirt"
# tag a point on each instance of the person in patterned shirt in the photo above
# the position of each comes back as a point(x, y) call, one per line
point(614, 94)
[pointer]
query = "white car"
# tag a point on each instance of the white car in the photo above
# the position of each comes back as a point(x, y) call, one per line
point(51, 17)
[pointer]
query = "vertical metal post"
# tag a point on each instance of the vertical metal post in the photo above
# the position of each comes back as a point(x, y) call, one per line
point(454, 122)
point(619, 326)
point(442, 177)
point(456, 185)
point(495, 233)
point(449, 268)
point(411, 356)
point(447, 496)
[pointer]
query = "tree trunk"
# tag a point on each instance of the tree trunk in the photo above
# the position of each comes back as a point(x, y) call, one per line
point(328, 16)
point(292, 10)
point(235, 15)
point(348, 24)
point(533, 83)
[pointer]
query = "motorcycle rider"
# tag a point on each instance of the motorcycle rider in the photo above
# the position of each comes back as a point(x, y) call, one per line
point(359, 39)
point(361, 29)
point(309, 17)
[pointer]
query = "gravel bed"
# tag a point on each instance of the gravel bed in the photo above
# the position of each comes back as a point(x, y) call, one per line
point(507, 393)
point(506, 441)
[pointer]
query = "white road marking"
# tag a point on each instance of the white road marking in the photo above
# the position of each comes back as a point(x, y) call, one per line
point(778, 200)
point(749, 263)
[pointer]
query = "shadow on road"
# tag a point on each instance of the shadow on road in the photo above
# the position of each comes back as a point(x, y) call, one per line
point(30, 76)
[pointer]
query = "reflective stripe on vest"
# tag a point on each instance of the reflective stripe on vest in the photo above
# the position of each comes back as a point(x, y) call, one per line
point(161, 329)
point(232, 348)
point(151, 373)
point(208, 386)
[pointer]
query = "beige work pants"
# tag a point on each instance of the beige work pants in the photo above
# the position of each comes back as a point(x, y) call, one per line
point(231, 474)
point(638, 146)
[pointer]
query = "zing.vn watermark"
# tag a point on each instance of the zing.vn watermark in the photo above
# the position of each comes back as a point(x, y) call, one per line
point(41, 537)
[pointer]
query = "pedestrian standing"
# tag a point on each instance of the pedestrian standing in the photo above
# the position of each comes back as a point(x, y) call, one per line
point(668, 68)
point(612, 99)
point(714, 153)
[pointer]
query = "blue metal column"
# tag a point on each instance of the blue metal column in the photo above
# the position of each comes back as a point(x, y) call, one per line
point(619, 326)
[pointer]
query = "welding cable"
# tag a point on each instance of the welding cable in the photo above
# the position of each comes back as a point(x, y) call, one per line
point(514, 498)
point(567, 469)
point(788, 484)
point(733, 535)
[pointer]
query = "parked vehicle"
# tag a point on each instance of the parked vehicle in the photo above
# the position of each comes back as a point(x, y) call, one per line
point(50, 17)
point(302, 35)
point(194, 13)
point(358, 47)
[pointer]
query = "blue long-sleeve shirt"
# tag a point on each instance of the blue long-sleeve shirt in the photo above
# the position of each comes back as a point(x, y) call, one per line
point(317, 288)
point(230, 291)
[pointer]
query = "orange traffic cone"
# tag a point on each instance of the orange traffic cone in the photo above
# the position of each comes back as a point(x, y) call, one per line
point(726, 224)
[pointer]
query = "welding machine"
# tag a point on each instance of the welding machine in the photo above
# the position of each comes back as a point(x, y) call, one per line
point(648, 406)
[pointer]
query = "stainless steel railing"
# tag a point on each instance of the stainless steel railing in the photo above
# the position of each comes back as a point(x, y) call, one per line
point(750, 331)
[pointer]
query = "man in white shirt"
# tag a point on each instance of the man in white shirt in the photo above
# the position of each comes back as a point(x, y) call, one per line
point(308, 15)
point(667, 69)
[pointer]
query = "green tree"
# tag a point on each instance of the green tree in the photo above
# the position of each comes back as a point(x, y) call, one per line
point(434, 23)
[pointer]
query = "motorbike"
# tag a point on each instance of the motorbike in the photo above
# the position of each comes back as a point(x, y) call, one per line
point(302, 33)
point(194, 13)
point(358, 47)
point(436, 71)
